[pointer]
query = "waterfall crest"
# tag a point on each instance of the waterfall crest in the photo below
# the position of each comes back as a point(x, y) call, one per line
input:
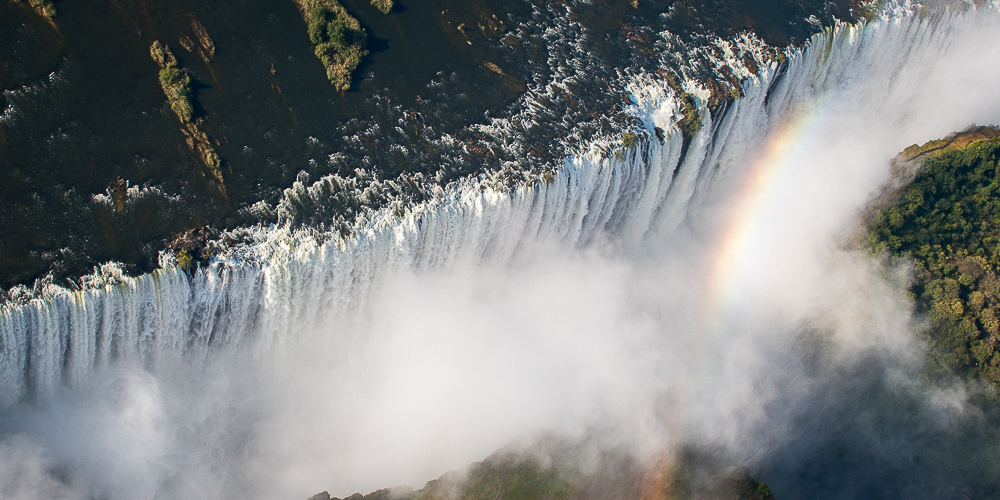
point(257, 295)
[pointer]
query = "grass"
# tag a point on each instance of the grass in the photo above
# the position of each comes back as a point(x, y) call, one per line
point(338, 39)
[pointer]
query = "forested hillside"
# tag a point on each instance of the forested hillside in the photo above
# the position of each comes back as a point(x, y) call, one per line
point(512, 476)
point(947, 220)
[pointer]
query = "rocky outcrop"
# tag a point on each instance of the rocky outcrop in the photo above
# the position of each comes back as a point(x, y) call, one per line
point(202, 44)
point(385, 6)
point(338, 38)
point(41, 7)
point(176, 84)
point(953, 142)
point(193, 246)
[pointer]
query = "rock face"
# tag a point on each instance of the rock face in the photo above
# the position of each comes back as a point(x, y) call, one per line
point(41, 7)
point(953, 142)
point(192, 246)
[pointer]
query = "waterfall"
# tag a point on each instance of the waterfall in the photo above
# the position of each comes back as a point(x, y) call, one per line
point(259, 294)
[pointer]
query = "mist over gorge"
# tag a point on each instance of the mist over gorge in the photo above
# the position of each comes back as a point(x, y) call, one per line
point(687, 291)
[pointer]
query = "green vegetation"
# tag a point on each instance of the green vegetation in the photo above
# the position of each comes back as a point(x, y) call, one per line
point(338, 39)
point(957, 141)
point(192, 247)
point(184, 260)
point(517, 477)
point(691, 123)
point(512, 480)
point(175, 82)
point(42, 7)
point(177, 87)
point(383, 5)
point(947, 220)
point(763, 491)
point(508, 478)
point(630, 139)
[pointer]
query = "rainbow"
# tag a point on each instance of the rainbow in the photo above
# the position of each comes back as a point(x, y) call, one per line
point(741, 241)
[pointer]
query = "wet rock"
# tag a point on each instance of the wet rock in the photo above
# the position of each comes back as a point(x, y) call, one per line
point(193, 246)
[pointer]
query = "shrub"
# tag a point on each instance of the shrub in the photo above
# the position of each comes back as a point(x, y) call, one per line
point(338, 40)
point(316, 21)
point(691, 122)
point(763, 491)
point(630, 139)
point(184, 260)
point(383, 5)
point(326, 27)
point(175, 82)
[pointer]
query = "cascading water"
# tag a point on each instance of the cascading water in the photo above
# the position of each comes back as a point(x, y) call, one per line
point(262, 293)
point(258, 296)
